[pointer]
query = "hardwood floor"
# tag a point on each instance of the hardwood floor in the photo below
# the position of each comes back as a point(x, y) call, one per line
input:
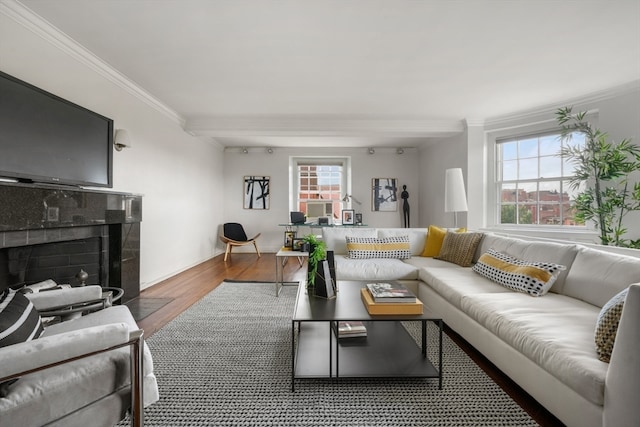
point(189, 286)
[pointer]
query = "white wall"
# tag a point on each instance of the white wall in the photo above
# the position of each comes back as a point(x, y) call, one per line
point(385, 163)
point(179, 175)
point(435, 159)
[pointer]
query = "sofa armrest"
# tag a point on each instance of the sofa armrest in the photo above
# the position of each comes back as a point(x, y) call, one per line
point(622, 385)
point(47, 300)
point(21, 359)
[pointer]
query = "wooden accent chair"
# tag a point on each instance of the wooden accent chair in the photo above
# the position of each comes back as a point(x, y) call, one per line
point(234, 235)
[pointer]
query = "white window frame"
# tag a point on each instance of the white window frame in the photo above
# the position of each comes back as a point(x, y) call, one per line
point(493, 136)
point(537, 182)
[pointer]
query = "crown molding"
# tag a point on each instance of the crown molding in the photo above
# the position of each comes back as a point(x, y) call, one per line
point(322, 125)
point(34, 23)
point(472, 122)
point(545, 110)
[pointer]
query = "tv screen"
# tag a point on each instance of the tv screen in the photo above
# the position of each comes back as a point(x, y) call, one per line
point(44, 138)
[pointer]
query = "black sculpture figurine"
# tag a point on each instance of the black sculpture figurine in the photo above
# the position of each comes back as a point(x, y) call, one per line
point(405, 205)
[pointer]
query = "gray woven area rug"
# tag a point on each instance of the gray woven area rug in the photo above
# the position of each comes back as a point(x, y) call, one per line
point(226, 361)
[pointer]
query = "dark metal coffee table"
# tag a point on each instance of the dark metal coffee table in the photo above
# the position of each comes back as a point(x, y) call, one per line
point(387, 351)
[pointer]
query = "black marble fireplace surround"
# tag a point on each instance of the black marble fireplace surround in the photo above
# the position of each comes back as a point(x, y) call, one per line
point(54, 231)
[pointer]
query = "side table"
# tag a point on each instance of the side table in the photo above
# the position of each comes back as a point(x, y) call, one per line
point(282, 257)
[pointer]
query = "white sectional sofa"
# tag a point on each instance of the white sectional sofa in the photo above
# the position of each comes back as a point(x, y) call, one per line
point(546, 343)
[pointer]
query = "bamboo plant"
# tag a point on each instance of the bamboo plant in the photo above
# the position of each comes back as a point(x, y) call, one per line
point(605, 167)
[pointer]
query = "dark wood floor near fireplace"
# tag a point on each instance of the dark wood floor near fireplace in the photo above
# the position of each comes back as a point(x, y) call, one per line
point(179, 292)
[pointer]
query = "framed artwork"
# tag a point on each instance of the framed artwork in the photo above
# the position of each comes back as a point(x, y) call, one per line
point(348, 217)
point(384, 194)
point(289, 237)
point(256, 192)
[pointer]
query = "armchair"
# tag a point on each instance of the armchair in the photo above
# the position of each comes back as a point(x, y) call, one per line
point(233, 234)
point(88, 370)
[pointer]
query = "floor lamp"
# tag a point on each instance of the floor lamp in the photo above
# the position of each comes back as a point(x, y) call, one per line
point(455, 197)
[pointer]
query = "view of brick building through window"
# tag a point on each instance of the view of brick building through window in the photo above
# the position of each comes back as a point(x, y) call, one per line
point(320, 190)
point(554, 208)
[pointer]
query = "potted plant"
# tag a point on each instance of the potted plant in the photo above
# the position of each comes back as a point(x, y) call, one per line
point(605, 167)
point(317, 253)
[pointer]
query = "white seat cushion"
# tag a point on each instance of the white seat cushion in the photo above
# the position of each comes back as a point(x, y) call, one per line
point(554, 331)
point(373, 269)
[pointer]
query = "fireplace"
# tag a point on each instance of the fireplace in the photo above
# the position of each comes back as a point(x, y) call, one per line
point(49, 232)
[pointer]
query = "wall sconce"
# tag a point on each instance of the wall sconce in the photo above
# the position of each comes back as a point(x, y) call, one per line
point(371, 150)
point(455, 197)
point(121, 139)
point(269, 150)
point(400, 150)
point(244, 150)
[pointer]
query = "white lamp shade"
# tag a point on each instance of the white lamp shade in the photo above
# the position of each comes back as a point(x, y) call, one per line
point(455, 196)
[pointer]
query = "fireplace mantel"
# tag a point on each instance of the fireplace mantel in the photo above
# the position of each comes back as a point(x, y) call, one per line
point(40, 214)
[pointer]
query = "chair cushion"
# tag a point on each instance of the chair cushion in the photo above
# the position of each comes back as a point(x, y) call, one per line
point(235, 231)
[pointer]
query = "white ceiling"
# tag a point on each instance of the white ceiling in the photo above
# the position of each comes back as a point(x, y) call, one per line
point(370, 72)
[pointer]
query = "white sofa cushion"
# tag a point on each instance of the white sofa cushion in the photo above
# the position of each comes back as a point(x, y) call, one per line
point(455, 282)
point(556, 332)
point(373, 269)
point(596, 276)
point(417, 237)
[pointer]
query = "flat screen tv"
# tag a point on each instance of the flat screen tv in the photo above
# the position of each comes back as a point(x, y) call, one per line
point(44, 138)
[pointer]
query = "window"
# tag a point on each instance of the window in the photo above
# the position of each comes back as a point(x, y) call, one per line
point(532, 181)
point(320, 187)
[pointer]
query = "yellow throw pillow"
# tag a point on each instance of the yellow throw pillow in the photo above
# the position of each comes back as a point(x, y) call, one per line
point(435, 237)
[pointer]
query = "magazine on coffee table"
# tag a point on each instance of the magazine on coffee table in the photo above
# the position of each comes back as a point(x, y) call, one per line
point(393, 292)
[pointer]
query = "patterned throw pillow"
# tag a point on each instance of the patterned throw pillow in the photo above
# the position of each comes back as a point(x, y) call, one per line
point(607, 325)
point(435, 238)
point(378, 247)
point(19, 322)
point(533, 278)
point(459, 248)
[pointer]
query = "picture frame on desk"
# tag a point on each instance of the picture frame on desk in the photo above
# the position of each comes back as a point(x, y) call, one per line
point(289, 237)
point(348, 217)
point(299, 245)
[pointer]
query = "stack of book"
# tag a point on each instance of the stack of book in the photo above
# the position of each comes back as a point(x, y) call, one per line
point(391, 292)
point(351, 329)
point(390, 298)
